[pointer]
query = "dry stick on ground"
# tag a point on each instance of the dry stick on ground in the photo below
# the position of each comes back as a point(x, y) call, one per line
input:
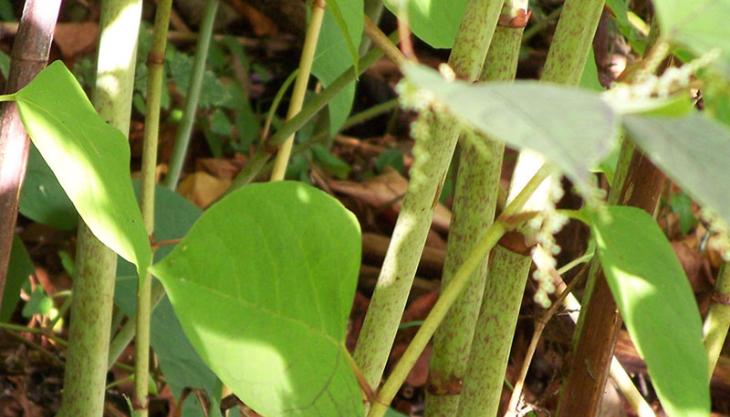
point(434, 151)
point(637, 183)
point(29, 56)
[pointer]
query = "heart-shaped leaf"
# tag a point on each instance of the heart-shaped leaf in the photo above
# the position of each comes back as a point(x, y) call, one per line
point(693, 150)
point(89, 157)
point(658, 306)
point(573, 128)
point(263, 285)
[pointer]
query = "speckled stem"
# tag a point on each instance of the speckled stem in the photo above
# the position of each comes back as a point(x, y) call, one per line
point(433, 153)
point(482, 388)
point(475, 198)
point(91, 308)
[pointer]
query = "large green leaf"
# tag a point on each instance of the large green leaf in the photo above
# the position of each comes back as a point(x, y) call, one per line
point(263, 285)
point(658, 306)
point(434, 21)
point(19, 268)
point(179, 362)
point(693, 150)
point(89, 157)
point(699, 25)
point(334, 54)
point(573, 128)
point(42, 198)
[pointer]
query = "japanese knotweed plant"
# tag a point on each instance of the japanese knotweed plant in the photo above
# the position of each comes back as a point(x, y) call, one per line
point(263, 281)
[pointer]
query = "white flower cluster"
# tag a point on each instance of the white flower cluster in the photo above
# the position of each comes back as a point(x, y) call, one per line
point(542, 230)
point(650, 86)
point(413, 97)
point(720, 239)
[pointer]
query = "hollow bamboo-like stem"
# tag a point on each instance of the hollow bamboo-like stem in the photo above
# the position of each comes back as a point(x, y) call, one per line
point(155, 83)
point(185, 130)
point(450, 294)
point(637, 183)
point(717, 321)
point(503, 291)
point(475, 198)
point(300, 86)
point(91, 308)
point(29, 56)
point(433, 152)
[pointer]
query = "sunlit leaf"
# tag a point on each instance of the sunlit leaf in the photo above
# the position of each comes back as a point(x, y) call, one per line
point(657, 305)
point(573, 128)
point(263, 285)
point(89, 157)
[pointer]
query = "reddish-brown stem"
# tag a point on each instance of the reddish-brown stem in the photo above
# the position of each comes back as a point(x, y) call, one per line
point(600, 320)
point(29, 56)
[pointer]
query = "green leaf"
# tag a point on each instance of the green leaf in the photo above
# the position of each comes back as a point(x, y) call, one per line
point(181, 365)
point(39, 303)
point(571, 127)
point(89, 157)
point(620, 10)
point(390, 158)
point(263, 285)
point(334, 54)
point(657, 305)
point(345, 31)
point(692, 150)
point(19, 268)
point(331, 163)
point(434, 21)
point(42, 198)
point(698, 25)
point(589, 78)
point(681, 205)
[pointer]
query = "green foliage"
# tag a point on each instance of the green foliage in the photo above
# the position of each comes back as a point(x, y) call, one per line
point(620, 10)
point(89, 157)
point(681, 205)
point(179, 362)
point(263, 285)
point(575, 135)
point(39, 303)
point(657, 305)
point(19, 268)
point(390, 158)
point(690, 150)
point(42, 198)
point(334, 54)
point(435, 22)
point(180, 66)
point(700, 26)
point(330, 163)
